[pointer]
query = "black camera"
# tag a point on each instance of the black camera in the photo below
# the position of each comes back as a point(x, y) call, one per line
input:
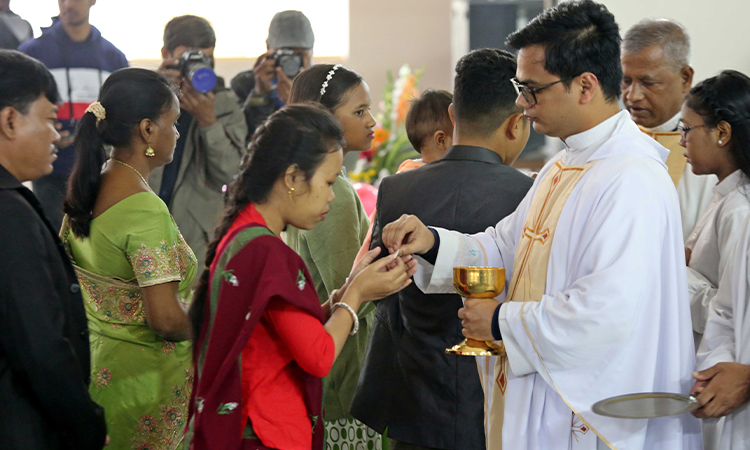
point(289, 61)
point(198, 69)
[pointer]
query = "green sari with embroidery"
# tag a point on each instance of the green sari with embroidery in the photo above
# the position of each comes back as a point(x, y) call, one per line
point(142, 381)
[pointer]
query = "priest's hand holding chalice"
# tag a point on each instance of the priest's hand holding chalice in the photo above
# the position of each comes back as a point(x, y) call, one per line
point(477, 285)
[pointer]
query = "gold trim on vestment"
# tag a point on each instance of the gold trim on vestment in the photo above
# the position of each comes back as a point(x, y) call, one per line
point(676, 160)
point(531, 264)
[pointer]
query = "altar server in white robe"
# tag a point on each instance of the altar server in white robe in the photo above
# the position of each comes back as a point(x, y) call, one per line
point(656, 77)
point(724, 354)
point(596, 292)
point(716, 137)
point(715, 121)
point(720, 108)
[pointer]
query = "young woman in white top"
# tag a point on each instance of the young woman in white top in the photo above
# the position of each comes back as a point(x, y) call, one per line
point(723, 359)
point(715, 127)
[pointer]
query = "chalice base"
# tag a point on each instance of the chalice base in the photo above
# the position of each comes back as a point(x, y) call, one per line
point(472, 347)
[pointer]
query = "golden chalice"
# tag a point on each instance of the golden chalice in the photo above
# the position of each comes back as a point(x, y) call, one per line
point(478, 282)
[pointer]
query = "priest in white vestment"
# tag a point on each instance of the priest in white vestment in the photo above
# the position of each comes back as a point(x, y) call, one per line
point(596, 293)
point(656, 77)
point(610, 316)
point(724, 355)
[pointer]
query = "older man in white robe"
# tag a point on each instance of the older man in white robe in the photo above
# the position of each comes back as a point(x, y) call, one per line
point(596, 299)
point(656, 77)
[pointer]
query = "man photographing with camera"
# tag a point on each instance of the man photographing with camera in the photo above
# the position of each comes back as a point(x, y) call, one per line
point(266, 88)
point(212, 133)
point(181, 44)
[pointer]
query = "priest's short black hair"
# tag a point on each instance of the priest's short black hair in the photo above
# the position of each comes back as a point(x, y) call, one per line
point(483, 95)
point(577, 36)
point(23, 80)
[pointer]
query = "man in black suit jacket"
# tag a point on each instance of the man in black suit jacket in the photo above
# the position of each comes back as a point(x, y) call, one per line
point(44, 339)
point(426, 398)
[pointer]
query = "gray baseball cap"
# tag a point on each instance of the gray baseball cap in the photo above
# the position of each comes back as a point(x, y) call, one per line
point(290, 29)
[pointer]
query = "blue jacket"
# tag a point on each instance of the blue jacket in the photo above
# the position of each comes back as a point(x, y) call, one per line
point(79, 69)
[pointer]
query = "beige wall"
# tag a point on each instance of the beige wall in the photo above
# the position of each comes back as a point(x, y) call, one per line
point(387, 33)
point(719, 29)
point(384, 34)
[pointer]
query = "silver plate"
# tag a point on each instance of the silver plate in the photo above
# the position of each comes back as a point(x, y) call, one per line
point(646, 405)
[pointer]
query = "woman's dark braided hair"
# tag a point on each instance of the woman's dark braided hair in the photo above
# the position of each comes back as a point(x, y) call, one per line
point(726, 97)
point(300, 135)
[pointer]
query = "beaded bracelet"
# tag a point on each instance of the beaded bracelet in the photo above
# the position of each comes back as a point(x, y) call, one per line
point(355, 328)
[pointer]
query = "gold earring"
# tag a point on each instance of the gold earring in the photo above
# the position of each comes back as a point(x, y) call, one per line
point(150, 152)
point(291, 192)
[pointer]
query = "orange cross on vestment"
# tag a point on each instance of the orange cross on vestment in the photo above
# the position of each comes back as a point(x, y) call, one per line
point(536, 235)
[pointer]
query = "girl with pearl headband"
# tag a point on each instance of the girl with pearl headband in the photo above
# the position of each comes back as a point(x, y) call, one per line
point(330, 249)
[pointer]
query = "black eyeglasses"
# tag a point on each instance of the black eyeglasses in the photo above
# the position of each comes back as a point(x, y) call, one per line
point(529, 93)
point(684, 130)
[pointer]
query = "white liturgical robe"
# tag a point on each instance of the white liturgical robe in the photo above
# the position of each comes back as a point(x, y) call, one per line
point(694, 192)
point(613, 316)
point(727, 335)
point(711, 242)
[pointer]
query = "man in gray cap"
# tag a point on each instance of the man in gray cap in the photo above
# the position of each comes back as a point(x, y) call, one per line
point(266, 88)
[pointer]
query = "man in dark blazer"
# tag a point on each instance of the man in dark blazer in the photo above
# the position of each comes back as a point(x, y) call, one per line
point(44, 339)
point(426, 398)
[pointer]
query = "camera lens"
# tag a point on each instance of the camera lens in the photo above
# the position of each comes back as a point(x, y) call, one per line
point(291, 65)
point(196, 68)
point(203, 78)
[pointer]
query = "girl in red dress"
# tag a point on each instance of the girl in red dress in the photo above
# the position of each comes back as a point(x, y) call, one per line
point(262, 339)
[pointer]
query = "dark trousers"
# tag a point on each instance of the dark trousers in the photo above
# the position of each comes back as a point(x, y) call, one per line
point(50, 190)
point(398, 445)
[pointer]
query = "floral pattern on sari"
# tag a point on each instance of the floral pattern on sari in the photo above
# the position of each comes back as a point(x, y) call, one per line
point(114, 302)
point(142, 381)
point(101, 378)
point(165, 263)
point(166, 430)
point(168, 347)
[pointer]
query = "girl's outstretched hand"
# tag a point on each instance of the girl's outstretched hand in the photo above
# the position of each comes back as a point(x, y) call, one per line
point(383, 277)
point(411, 266)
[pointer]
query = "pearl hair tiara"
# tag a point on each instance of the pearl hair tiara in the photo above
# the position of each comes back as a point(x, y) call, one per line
point(328, 78)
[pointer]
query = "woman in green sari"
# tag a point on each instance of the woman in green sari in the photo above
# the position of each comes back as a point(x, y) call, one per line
point(329, 249)
point(134, 268)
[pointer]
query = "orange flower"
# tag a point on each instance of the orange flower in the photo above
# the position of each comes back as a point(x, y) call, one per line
point(381, 135)
point(409, 92)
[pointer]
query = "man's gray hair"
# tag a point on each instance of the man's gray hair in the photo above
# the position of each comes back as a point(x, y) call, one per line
point(670, 35)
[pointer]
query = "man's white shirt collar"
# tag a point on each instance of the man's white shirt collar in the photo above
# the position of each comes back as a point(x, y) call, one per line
point(580, 147)
point(667, 127)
